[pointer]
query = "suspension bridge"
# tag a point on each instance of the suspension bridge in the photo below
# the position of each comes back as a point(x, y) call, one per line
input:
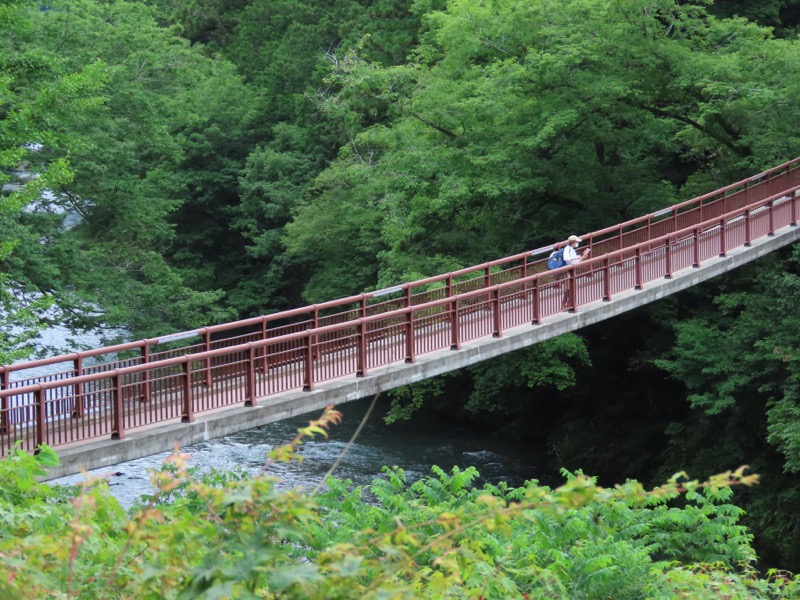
point(104, 406)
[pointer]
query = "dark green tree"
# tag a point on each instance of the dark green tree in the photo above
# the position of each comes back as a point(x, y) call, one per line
point(36, 94)
point(108, 262)
point(738, 358)
point(515, 124)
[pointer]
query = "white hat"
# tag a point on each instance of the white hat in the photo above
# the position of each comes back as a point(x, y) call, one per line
point(574, 238)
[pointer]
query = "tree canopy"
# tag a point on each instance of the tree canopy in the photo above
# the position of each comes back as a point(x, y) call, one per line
point(169, 164)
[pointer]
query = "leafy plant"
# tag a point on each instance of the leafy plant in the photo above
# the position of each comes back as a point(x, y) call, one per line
point(229, 536)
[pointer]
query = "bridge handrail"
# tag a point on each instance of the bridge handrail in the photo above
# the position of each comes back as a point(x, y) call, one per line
point(318, 331)
point(685, 232)
point(361, 299)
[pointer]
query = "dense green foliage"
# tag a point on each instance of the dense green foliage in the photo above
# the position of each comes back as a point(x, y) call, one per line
point(231, 536)
point(515, 123)
point(225, 158)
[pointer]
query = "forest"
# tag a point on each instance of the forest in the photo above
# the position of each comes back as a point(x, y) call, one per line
point(170, 164)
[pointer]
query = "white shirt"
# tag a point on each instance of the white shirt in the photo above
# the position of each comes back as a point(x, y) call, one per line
point(570, 255)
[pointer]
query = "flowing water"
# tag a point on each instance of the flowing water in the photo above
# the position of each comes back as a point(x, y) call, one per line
point(413, 446)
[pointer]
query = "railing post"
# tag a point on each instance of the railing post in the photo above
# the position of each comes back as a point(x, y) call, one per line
point(41, 418)
point(637, 269)
point(308, 365)
point(487, 277)
point(77, 408)
point(573, 289)
point(498, 321)
point(411, 355)
point(455, 333)
point(668, 259)
point(314, 325)
point(262, 350)
point(723, 247)
point(250, 376)
point(607, 280)
point(117, 417)
point(537, 309)
point(363, 333)
point(696, 248)
point(793, 201)
point(144, 377)
point(264, 362)
point(361, 349)
point(208, 379)
point(3, 403)
point(748, 236)
point(771, 218)
point(448, 286)
point(188, 402)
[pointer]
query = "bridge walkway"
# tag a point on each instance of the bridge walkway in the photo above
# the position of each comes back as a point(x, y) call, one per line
point(272, 367)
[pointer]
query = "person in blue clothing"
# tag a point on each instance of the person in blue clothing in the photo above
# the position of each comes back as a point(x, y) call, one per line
point(571, 257)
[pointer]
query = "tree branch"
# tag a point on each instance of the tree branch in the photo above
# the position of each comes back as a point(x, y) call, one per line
point(447, 132)
point(729, 143)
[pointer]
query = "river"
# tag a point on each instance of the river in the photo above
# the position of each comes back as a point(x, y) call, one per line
point(414, 446)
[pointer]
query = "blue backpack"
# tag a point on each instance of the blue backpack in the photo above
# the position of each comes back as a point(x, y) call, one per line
point(556, 259)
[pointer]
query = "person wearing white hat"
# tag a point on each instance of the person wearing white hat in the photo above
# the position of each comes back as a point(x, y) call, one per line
point(571, 257)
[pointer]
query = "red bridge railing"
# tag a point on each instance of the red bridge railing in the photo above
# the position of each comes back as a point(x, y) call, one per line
point(108, 391)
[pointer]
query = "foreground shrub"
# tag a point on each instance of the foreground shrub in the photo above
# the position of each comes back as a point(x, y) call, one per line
point(228, 535)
